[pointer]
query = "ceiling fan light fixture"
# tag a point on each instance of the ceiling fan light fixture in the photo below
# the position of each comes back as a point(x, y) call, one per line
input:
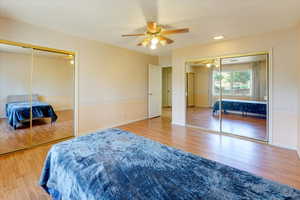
point(163, 42)
point(154, 41)
point(153, 46)
point(144, 43)
point(155, 35)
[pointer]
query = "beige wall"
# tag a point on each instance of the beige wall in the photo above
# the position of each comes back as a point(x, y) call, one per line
point(165, 60)
point(52, 79)
point(284, 72)
point(112, 80)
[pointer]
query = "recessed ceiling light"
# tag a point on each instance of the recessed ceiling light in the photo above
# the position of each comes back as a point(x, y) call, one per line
point(220, 37)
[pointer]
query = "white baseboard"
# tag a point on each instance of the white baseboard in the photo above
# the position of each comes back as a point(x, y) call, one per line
point(178, 123)
point(113, 126)
point(284, 147)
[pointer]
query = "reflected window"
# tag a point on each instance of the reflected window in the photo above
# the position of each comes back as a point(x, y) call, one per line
point(234, 83)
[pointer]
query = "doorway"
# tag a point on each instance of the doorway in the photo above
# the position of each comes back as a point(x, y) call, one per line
point(229, 95)
point(160, 92)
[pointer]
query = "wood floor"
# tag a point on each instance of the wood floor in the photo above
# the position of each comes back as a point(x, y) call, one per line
point(20, 171)
point(42, 132)
point(249, 126)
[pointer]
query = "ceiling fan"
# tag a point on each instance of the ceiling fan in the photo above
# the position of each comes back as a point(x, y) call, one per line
point(155, 35)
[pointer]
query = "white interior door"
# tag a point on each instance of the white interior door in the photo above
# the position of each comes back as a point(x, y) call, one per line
point(154, 91)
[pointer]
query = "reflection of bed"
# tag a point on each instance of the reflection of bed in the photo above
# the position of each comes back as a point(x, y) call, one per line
point(243, 106)
point(18, 110)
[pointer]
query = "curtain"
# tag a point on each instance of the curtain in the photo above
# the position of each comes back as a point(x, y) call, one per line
point(256, 80)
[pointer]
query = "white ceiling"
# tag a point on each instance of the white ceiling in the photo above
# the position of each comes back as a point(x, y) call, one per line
point(106, 20)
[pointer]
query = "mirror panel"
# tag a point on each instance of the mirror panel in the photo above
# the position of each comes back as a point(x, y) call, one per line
point(245, 96)
point(36, 96)
point(15, 98)
point(53, 87)
point(203, 94)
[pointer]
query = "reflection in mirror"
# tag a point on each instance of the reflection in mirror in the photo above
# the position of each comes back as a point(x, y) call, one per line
point(245, 96)
point(53, 87)
point(203, 91)
point(15, 104)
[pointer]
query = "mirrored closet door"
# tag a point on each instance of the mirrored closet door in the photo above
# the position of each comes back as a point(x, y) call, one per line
point(52, 96)
point(245, 96)
point(15, 87)
point(36, 97)
point(202, 94)
point(229, 95)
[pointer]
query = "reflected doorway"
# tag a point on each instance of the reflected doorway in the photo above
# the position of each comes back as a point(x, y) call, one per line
point(199, 98)
point(167, 92)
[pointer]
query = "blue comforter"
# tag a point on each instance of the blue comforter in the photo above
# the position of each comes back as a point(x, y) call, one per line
point(118, 165)
point(18, 112)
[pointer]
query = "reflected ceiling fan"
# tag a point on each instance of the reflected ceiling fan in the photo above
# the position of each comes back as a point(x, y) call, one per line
point(155, 35)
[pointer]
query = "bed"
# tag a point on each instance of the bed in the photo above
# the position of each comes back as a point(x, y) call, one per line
point(118, 165)
point(243, 106)
point(18, 110)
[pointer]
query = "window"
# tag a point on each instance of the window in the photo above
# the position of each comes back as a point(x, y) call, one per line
point(234, 83)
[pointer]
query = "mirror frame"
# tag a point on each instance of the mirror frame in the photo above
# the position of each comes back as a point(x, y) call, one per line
point(269, 89)
point(75, 87)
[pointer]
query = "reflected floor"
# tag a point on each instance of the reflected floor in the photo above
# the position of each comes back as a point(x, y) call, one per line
point(42, 132)
point(167, 113)
point(249, 126)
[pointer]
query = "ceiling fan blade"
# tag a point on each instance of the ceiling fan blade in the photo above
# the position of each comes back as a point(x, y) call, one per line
point(168, 41)
point(137, 34)
point(152, 27)
point(175, 31)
